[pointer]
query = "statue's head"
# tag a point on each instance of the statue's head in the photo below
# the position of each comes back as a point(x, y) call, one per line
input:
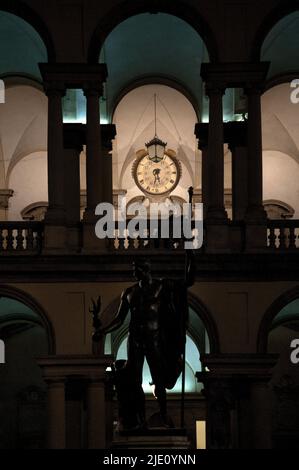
point(141, 268)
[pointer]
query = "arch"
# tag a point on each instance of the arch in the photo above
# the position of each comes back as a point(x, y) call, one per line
point(23, 11)
point(270, 314)
point(21, 296)
point(280, 79)
point(206, 317)
point(127, 9)
point(198, 307)
point(284, 8)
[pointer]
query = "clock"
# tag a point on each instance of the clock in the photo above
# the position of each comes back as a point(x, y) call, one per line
point(157, 178)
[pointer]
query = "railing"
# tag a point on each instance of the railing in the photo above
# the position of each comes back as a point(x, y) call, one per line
point(283, 235)
point(21, 237)
point(150, 240)
point(27, 238)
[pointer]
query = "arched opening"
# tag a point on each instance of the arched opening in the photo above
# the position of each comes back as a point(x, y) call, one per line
point(21, 47)
point(122, 12)
point(23, 11)
point(24, 43)
point(151, 59)
point(23, 149)
point(280, 157)
point(279, 329)
point(27, 335)
point(283, 9)
point(279, 43)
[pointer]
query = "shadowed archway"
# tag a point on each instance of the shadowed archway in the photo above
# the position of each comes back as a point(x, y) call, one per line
point(270, 314)
point(23, 11)
point(127, 9)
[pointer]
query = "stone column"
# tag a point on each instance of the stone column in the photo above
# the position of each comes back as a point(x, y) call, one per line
point(216, 216)
point(237, 142)
point(261, 415)
point(201, 132)
point(55, 217)
point(94, 165)
point(74, 137)
point(256, 216)
point(96, 409)
point(219, 416)
point(108, 134)
point(216, 209)
point(56, 436)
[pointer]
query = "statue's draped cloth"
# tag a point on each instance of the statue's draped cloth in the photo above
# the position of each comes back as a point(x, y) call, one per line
point(173, 320)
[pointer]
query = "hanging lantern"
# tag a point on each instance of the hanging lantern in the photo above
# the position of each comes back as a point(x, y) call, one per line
point(156, 147)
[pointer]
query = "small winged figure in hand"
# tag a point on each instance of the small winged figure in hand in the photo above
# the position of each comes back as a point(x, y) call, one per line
point(96, 310)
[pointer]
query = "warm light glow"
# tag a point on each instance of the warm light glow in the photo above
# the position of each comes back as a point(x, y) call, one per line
point(156, 150)
point(201, 435)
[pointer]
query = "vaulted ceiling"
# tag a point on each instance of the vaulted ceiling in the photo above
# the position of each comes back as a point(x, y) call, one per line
point(281, 46)
point(153, 46)
point(21, 48)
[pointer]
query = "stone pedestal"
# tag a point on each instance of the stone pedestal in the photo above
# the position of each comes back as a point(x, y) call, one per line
point(153, 439)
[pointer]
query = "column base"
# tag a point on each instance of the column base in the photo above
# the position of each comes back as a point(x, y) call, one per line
point(256, 228)
point(217, 236)
point(54, 239)
point(256, 237)
point(74, 238)
point(256, 214)
point(55, 216)
point(216, 214)
point(92, 244)
point(154, 439)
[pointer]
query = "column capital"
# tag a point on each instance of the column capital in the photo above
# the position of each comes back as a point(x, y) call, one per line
point(202, 134)
point(93, 88)
point(55, 382)
point(108, 134)
point(236, 134)
point(74, 75)
point(96, 382)
point(54, 88)
point(235, 74)
point(215, 88)
point(74, 136)
point(254, 88)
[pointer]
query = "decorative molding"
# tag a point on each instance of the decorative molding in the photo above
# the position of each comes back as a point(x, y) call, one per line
point(35, 212)
point(5, 195)
point(278, 210)
point(74, 76)
point(235, 74)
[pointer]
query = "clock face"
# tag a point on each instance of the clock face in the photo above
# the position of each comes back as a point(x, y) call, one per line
point(156, 178)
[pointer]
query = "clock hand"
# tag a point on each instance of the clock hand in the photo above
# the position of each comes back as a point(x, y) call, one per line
point(156, 174)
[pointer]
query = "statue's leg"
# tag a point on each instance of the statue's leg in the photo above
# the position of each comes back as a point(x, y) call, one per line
point(135, 368)
point(155, 362)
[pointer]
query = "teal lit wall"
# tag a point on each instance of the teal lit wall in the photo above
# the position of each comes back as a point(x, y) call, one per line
point(281, 46)
point(193, 365)
point(21, 47)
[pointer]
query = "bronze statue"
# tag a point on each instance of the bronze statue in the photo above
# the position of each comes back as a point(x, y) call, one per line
point(157, 332)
